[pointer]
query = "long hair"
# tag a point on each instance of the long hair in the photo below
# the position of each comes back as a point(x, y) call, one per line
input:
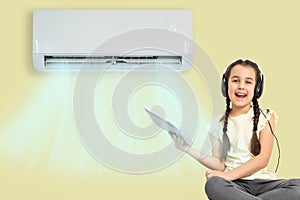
point(254, 144)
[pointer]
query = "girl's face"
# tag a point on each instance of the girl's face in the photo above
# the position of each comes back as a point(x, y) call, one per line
point(241, 84)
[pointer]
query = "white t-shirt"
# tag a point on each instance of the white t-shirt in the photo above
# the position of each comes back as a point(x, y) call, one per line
point(239, 131)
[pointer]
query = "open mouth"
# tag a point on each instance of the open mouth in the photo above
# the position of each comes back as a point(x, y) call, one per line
point(240, 95)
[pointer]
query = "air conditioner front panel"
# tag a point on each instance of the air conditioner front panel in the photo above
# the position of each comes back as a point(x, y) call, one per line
point(110, 33)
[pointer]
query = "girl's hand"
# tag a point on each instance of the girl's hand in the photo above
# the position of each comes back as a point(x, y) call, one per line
point(179, 142)
point(225, 175)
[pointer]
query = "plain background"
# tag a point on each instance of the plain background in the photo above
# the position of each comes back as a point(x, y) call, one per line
point(264, 31)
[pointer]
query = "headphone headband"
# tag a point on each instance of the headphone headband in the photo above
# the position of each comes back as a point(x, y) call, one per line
point(258, 90)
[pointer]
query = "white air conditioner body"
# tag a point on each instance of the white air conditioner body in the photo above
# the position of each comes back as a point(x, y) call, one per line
point(112, 40)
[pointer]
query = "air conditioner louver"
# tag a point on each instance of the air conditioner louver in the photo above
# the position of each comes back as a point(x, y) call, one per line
point(111, 63)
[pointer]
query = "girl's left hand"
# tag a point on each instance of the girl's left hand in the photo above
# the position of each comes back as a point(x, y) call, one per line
point(225, 175)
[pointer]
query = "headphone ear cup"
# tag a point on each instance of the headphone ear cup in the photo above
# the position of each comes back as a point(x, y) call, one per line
point(259, 88)
point(224, 86)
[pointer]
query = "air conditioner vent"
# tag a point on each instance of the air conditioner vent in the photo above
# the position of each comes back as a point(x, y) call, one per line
point(112, 62)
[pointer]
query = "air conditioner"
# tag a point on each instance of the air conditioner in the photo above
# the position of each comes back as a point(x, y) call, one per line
point(112, 40)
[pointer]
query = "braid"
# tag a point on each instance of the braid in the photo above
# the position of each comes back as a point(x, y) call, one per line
point(226, 142)
point(255, 145)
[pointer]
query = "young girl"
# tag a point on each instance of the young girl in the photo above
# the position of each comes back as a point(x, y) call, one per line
point(242, 141)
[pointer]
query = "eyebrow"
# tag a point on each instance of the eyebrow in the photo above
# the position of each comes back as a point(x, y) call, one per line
point(248, 78)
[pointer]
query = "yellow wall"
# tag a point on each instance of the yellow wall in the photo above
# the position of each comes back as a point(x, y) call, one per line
point(43, 158)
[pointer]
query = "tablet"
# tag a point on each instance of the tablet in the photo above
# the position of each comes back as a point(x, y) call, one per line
point(168, 126)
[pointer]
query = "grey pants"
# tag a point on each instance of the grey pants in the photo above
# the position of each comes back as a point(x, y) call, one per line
point(217, 188)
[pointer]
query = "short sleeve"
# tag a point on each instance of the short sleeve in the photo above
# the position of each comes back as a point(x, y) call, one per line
point(264, 117)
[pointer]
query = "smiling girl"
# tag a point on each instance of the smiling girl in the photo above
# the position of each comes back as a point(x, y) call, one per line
point(242, 141)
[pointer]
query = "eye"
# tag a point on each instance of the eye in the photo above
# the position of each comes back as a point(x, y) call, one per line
point(235, 80)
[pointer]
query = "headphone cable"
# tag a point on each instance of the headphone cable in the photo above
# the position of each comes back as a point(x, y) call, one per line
point(276, 139)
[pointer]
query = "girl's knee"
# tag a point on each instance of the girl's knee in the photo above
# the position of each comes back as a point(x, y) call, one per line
point(213, 185)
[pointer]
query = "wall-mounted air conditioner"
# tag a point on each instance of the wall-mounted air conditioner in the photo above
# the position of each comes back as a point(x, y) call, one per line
point(112, 40)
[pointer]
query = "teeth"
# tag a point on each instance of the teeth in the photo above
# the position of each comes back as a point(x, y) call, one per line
point(241, 94)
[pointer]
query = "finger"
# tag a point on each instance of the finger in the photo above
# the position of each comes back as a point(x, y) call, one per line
point(208, 172)
point(173, 136)
point(207, 175)
point(182, 141)
point(179, 141)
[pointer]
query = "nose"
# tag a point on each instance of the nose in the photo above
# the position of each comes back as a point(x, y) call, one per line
point(241, 85)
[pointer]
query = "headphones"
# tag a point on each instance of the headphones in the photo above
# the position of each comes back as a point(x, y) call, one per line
point(258, 90)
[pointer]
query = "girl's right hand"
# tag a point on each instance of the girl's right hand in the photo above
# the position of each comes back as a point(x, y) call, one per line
point(179, 142)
